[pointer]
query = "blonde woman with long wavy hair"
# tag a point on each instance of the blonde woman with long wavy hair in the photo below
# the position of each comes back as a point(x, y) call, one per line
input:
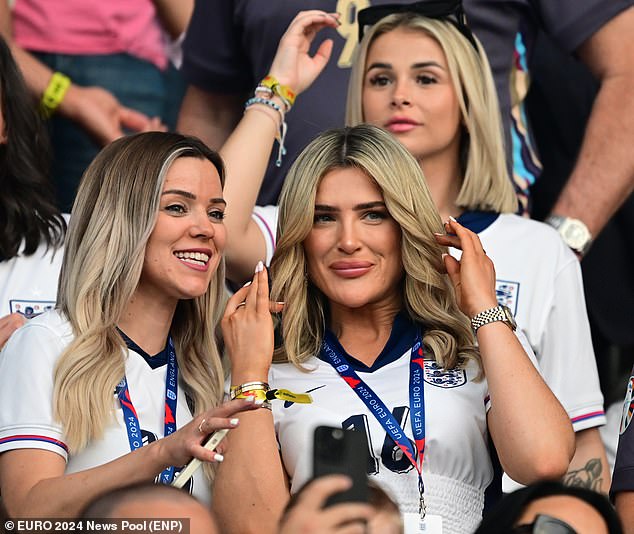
point(122, 382)
point(376, 328)
point(427, 80)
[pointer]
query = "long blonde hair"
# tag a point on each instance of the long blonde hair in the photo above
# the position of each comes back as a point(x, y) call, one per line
point(427, 294)
point(486, 185)
point(113, 216)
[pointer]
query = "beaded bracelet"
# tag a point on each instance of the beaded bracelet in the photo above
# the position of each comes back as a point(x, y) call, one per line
point(281, 136)
point(287, 95)
point(54, 93)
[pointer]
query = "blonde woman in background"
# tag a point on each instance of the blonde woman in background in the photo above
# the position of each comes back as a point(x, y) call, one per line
point(122, 381)
point(428, 82)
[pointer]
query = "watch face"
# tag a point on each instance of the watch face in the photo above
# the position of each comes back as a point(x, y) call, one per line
point(575, 235)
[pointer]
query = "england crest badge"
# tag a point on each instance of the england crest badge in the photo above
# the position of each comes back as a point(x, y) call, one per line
point(507, 294)
point(443, 378)
point(628, 405)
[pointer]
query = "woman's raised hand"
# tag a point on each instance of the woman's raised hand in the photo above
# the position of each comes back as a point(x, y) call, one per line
point(293, 65)
point(473, 276)
point(247, 328)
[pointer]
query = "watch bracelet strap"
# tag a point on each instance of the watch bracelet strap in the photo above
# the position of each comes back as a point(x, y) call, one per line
point(487, 316)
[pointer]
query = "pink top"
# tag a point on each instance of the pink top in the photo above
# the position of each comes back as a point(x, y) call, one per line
point(90, 27)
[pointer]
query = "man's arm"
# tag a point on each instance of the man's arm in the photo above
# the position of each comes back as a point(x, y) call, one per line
point(624, 501)
point(174, 15)
point(603, 176)
point(589, 466)
point(210, 116)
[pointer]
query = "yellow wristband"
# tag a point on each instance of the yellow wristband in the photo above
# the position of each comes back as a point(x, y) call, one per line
point(54, 93)
point(287, 95)
point(257, 393)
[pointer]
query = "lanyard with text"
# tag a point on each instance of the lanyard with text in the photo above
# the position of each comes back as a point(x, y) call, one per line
point(383, 415)
point(131, 419)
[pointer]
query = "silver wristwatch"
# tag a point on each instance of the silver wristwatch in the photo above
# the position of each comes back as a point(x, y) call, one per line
point(574, 232)
point(499, 313)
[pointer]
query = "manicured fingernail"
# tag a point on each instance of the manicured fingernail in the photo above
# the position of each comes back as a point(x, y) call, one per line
point(250, 399)
point(443, 255)
point(234, 421)
point(452, 218)
point(259, 267)
point(280, 302)
point(259, 402)
point(219, 457)
point(438, 233)
point(247, 284)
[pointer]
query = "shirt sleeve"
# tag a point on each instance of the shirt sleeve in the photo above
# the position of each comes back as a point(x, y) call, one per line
point(623, 476)
point(266, 219)
point(570, 367)
point(213, 57)
point(570, 23)
point(26, 408)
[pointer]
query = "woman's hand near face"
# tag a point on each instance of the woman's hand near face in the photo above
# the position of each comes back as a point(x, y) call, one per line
point(247, 328)
point(293, 66)
point(473, 276)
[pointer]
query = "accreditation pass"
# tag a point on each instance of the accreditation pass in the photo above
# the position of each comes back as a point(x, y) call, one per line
point(432, 524)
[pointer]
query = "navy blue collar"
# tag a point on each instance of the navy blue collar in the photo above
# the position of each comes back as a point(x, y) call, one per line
point(401, 340)
point(155, 361)
point(477, 221)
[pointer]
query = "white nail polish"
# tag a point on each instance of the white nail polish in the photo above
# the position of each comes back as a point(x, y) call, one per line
point(219, 457)
point(452, 218)
point(250, 399)
point(259, 402)
point(259, 267)
point(247, 284)
point(234, 421)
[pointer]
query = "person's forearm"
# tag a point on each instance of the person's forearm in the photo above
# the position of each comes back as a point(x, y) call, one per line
point(625, 508)
point(531, 431)
point(210, 116)
point(603, 176)
point(174, 15)
point(250, 488)
point(65, 496)
point(244, 175)
point(589, 467)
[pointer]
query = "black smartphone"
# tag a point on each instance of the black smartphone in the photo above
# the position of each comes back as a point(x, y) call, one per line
point(338, 451)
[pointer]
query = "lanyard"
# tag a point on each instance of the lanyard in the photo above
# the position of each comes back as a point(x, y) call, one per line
point(414, 452)
point(131, 419)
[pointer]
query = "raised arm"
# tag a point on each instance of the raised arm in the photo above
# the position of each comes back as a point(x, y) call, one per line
point(254, 471)
point(247, 151)
point(33, 482)
point(603, 176)
point(531, 430)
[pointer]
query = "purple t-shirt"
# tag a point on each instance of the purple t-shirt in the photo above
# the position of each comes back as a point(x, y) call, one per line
point(623, 476)
point(230, 45)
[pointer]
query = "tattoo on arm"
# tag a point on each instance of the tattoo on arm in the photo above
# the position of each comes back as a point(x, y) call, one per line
point(588, 476)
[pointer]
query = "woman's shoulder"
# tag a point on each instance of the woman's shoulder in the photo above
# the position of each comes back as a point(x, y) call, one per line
point(41, 338)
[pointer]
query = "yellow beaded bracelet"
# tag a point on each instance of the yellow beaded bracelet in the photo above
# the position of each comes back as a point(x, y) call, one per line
point(54, 93)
